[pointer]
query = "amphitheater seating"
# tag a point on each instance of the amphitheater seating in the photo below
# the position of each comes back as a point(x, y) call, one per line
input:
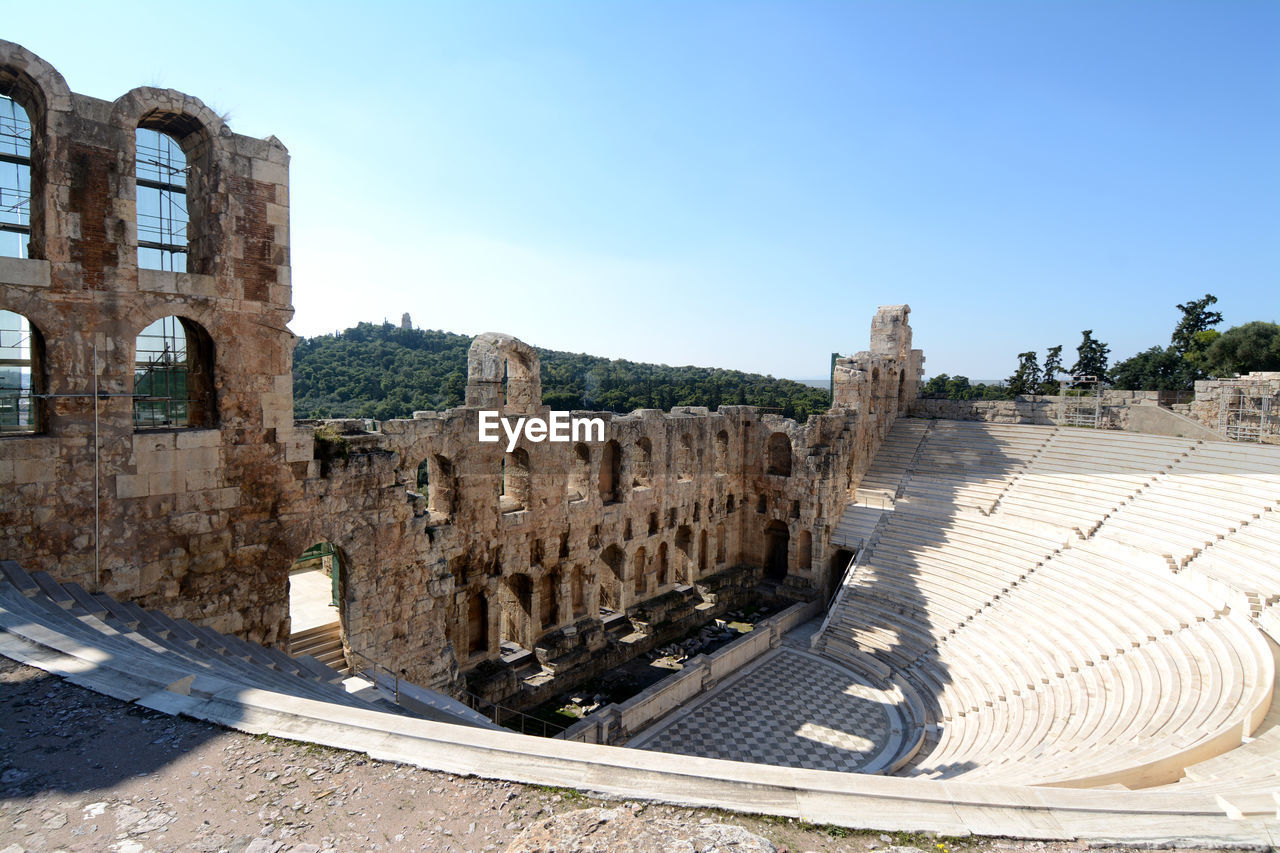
point(1033, 608)
point(967, 465)
point(893, 460)
point(154, 648)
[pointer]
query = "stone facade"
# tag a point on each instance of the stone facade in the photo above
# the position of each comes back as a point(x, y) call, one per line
point(581, 553)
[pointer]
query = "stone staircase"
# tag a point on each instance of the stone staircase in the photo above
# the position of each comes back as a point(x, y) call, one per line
point(324, 643)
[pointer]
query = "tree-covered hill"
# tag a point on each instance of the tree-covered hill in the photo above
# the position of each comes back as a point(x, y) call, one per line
point(384, 371)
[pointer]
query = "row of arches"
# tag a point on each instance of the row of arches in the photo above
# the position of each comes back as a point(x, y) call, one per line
point(605, 475)
point(173, 382)
point(165, 154)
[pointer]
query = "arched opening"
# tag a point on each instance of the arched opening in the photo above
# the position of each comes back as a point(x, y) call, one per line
point(875, 392)
point(662, 571)
point(836, 568)
point(722, 452)
point(684, 458)
point(21, 375)
point(423, 479)
point(578, 592)
point(439, 486)
point(579, 473)
point(517, 612)
point(638, 573)
point(610, 472)
point(315, 596)
point(173, 375)
point(611, 581)
point(720, 544)
point(550, 599)
point(804, 550)
point(642, 463)
point(779, 453)
point(902, 392)
point(702, 553)
point(163, 220)
point(762, 504)
point(729, 505)
point(684, 555)
point(15, 179)
point(477, 623)
point(515, 480)
point(776, 543)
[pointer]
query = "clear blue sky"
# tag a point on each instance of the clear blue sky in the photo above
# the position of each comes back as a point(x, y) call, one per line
point(742, 184)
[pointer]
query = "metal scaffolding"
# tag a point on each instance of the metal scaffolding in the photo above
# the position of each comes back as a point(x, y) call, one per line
point(1080, 402)
point(1248, 410)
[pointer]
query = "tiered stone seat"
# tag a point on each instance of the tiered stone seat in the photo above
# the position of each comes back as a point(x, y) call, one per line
point(1246, 561)
point(148, 647)
point(1082, 476)
point(1208, 495)
point(969, 465)
point(1044, 657)
point(884, 478)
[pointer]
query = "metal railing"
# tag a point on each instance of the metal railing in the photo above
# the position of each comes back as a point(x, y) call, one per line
point(374, 665)
point(504, 716)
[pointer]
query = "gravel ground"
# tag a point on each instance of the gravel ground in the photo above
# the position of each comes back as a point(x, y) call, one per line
point(84, 772)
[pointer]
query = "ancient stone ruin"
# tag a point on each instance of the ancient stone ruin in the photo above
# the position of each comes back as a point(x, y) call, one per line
point(155, 457)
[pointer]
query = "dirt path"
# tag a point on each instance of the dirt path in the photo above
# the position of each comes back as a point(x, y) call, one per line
point(84, 772)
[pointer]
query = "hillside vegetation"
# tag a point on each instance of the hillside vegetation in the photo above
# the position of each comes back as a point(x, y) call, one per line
point(384, 371)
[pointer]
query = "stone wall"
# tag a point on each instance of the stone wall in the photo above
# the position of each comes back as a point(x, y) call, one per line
point(578, 552)
point(1245, 407)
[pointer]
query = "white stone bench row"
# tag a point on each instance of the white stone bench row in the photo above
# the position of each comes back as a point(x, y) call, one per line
point(1247, 560)
point(1146, 707)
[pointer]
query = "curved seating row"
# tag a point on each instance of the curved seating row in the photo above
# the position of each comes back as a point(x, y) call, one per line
point(1048, 641)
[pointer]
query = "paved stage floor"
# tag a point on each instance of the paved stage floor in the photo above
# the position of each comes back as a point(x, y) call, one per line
point(789, 708)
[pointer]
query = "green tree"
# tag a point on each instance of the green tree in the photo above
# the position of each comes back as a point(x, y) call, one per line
point(1052, 367)
point(1091, 357)
point(1244, 349)
point(1196, 318)
point(1155, 369)
point(1026, 379)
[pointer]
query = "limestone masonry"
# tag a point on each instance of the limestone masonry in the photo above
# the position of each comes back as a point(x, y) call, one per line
point(582, 553)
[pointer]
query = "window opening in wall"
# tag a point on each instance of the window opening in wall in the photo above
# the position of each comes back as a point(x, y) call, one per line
point(638, 572)
point(19, 372)
point(720, 544)
point(162, 202)
point(478, 623)
point(550, 599)
point(662, 565)
point(172, 379)
point(15, 179)
point(702, 553)
point(424, 476)
point(776, 542)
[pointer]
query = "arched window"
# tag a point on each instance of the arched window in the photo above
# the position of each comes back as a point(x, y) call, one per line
point(424, 476)
point(722, 452)
point(805, 556)
point(439, 484)
point(702, 553)
point(515, 480)
point(780, 454)
point(579, 473)
point(173, 375)
point(720, 543)
point(610, 472)
point(684, 458)
point(776, 542)
point(161, 173)
point(611, 581)
point(638, 572)
point(642, 463)
point(21, 374)
point(477, 623)
point(550, 599)
point(662, 565)
point(15, 179)
point(684, 554)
